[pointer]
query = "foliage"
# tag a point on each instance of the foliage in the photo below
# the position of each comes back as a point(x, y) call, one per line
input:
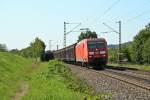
point(3, 47)
point(27, 52)
point(112, 52)
point(127, 51)
point(139, 42)
point(50, 82)
point(14, 51)
point(35, 50)
point(137, 51)
point(47, 56)
point(54, 81)
point(87, 34)
point(146, 52)
point(73, 82)
point(37, 47)
point(131, 54)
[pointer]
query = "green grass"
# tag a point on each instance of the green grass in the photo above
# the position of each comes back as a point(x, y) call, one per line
point(46, 81)
point(11, 72)
point(136, 66)
point(54, 81)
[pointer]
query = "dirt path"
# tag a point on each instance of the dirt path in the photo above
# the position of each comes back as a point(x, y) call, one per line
point(23, 90)
point(24, 86)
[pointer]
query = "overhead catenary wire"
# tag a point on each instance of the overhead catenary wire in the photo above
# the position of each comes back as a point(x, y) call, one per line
point(139, 15)
point(72, 30)
point(107, 10)
point(135, 10)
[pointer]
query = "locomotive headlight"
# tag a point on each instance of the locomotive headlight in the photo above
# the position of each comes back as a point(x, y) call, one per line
point(91, 53)
point(102, 52)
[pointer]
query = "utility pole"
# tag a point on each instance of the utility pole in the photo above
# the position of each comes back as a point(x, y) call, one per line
point(119, 42)
point(57, 47)
point(113, 30)
point(50, 45)
point(66, 33)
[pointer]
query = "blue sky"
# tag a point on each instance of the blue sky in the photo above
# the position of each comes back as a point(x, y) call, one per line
point(23, 20)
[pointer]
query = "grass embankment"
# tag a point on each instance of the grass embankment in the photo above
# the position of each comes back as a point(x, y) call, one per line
point(54, 81)
point(20, 78)
point(12, 69)
point(134, 66)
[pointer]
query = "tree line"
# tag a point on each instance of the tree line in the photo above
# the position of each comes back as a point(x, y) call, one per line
point(3, 48)
point(137, 51)
point(36, 49)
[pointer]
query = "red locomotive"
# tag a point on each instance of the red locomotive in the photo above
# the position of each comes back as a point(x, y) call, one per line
point(87, 51)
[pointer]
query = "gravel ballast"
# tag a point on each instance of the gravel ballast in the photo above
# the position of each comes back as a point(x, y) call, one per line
point(106, 85)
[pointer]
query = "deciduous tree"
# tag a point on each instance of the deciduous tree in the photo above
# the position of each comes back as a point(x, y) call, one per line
point(38, 47)
point(3, 47)
point(139, 42)
point(87, 34)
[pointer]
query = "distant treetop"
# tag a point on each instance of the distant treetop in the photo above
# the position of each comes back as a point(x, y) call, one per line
point(87, 35)
point(3, 47)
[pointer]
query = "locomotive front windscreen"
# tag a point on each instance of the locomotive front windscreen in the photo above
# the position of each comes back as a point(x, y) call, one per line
point(94, 44)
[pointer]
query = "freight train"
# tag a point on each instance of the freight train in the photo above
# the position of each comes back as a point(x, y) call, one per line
point(88, 51)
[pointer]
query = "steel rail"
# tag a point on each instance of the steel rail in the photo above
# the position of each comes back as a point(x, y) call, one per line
point(120, 78)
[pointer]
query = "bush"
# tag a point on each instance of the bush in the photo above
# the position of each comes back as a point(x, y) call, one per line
point(146, 52)
point(47, 56)
point(73, 83)
point(113, 55)
point(3, 47)
point(139, 42)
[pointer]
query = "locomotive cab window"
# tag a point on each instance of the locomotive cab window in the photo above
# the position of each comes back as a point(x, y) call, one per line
point(93, 45)
point(100, 45)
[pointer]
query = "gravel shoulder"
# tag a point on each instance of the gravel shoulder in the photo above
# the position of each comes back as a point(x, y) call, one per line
point(106, 85)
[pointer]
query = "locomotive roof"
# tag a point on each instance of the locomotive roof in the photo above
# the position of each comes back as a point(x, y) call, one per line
point(93, 39)
point(96, 39)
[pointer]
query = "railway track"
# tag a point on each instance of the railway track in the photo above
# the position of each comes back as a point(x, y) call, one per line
point(143, 73)
point(138, 80)
point(131, 70)
point(127, 78)
point(134, 75)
